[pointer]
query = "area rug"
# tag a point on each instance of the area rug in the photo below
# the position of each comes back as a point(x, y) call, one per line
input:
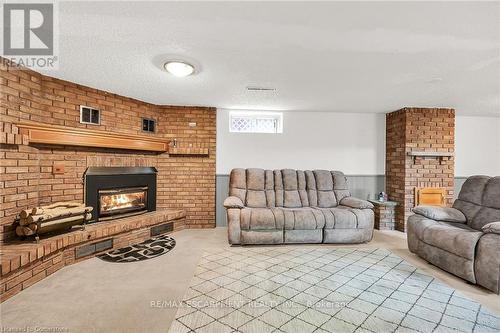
point(321, 289)
point(148, 249)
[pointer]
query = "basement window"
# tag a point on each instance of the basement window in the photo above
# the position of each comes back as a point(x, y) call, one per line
point(89, 115)
point(255, 122)
point(148, 125)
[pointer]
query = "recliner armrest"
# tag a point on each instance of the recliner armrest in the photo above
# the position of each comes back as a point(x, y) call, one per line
point(356, 203)
point(233, 202)
point(492, 228)
point(445, 214)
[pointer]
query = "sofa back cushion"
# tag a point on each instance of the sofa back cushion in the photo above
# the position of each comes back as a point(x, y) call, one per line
point(238, 184)
point(293, 189)
point(331, 187)
point(479, 200)
point(255, 187)
point(288, 188)
point(324, 189)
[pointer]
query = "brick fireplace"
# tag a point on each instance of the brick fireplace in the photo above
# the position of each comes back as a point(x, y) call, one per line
point(420, 146)
point(35, 174)
point(31, 173)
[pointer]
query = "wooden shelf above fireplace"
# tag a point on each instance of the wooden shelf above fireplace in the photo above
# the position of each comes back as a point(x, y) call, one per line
point(437, 154)
point(60, 135)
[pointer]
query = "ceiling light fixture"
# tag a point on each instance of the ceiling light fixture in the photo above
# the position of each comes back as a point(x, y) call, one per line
point(179, 68)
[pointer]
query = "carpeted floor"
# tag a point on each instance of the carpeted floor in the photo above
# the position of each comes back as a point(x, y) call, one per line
point(318, 289)
point(96, 296)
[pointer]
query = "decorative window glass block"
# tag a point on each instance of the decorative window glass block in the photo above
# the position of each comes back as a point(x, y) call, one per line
point(241, 124)
point(255, 122)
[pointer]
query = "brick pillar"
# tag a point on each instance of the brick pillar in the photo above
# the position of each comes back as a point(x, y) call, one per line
point(418, 129)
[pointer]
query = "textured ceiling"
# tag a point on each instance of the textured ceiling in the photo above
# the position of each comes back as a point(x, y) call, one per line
point(323, 56)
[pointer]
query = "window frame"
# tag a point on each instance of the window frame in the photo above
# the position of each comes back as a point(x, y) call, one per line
point(254, 116)
point(91, 109)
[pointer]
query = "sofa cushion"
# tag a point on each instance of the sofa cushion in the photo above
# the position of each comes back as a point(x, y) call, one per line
point(356, 203)
point(269, 188)
point(484, 216)
point(278, 188)
point(343, 217)
point(324, 187)
point(473, 189)
point(256, 199)
point(312, 193)
point(233, 202)
point(490, 209)
point(456, 238)
point(255, 182)
point(487, 263)
point(340, 185)
point(261, 219)
point(492, 228)
point(302, 218)
point(294, 186)
point(440, 213)
point(256, 179)
point(491, 197)
point(469, 209)
point(238, 184)
point(478, 200)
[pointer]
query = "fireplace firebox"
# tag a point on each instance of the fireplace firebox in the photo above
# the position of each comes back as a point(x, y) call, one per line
point(116, 192)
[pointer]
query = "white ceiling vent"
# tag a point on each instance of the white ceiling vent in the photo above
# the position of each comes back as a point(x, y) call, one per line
point(254, 88)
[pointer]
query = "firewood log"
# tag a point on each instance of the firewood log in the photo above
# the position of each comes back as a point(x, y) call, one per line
point(19, 231)
point(24, 213)
point(58, 224)
point(32, 226)
point(58, 213)
point(24, 231)
point(68, 204)
point(23, 222)
point(37, 211)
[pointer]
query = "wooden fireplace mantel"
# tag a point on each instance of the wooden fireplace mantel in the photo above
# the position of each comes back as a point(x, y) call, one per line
point(61, 135)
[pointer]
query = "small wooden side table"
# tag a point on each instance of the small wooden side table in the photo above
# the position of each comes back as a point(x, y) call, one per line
point(385, 214)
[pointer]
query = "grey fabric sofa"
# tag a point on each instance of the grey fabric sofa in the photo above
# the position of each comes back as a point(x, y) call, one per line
point(463, 240)
point(295, 206)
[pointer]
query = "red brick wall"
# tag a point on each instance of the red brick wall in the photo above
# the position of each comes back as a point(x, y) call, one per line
point(26, 178)
point(418, 129)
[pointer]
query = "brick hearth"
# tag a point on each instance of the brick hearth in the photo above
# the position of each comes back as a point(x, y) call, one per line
point(411, 130)
point(25, 263)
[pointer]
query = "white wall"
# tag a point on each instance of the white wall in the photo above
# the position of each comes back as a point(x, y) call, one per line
point(477, 145)
point(351, 142)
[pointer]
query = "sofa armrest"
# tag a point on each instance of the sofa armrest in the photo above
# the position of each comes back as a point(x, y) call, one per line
point(356, 203)
point(441, 213)
point(233, 202)
point(492, 228)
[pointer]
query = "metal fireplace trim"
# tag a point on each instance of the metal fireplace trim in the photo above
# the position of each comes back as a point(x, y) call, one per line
point(97, 179)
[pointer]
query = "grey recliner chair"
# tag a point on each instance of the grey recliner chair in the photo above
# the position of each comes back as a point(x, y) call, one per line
point(294, 206)
point(463, 240)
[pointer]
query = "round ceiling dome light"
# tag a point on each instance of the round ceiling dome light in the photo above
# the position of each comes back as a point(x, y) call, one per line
point(179, 68)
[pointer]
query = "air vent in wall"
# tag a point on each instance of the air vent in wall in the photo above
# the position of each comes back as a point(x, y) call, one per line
point(148, 125)
point(252, 88)
point(89, 115)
